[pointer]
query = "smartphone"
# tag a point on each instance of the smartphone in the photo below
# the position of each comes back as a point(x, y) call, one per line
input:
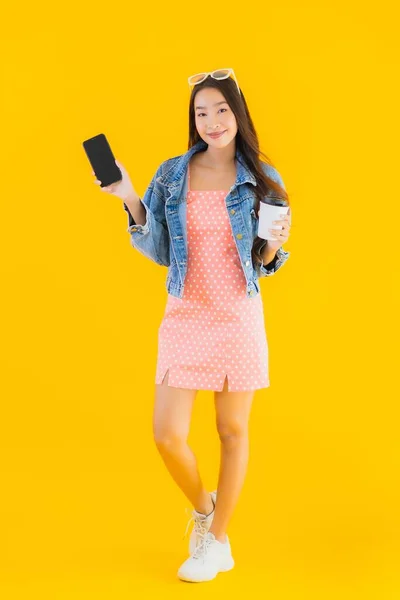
point(102, 159)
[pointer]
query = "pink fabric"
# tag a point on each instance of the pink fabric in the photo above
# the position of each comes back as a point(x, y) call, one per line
point(214, 330)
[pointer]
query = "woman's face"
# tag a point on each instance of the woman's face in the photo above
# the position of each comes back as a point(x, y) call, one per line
point(213, 114)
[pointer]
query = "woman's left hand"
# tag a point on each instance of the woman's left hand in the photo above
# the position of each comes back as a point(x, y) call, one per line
point(281, 235)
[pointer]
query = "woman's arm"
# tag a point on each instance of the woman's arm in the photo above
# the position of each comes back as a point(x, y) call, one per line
point(147, 225)
point(134, 206)
point(272, 259)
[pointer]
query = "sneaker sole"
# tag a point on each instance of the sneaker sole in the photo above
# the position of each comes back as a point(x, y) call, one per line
point(228, 566)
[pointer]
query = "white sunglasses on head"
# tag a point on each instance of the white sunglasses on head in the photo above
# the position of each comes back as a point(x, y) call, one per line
point(217, 74)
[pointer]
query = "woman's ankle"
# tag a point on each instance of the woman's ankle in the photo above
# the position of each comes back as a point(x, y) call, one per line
point(207, 507)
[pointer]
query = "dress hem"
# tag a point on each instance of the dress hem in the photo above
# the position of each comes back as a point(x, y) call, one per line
point(174, 376)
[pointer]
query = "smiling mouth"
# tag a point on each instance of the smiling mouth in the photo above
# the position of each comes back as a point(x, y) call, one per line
point(217, 134)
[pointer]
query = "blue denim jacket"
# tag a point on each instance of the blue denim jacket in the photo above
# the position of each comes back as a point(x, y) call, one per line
point(163, 238)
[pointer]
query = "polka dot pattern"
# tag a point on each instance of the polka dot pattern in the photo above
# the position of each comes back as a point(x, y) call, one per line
point(214, 330)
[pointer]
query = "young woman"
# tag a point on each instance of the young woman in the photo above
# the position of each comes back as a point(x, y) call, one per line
point(199, 217)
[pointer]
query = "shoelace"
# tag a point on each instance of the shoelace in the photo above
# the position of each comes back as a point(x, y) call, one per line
point(203, 547)
point(199, 525)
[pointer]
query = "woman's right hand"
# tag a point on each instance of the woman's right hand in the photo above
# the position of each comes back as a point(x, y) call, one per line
point(122, 189)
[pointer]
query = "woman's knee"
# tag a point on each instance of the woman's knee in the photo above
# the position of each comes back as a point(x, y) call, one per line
point(232, 431)
point(169, 440)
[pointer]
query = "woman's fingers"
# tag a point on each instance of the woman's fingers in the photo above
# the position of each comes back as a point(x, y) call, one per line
point(109, 188)
point(106, 188)
point(121, 188)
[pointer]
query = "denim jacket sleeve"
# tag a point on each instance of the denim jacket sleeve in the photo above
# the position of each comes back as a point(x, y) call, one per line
point(281, 255)
point(152, 238)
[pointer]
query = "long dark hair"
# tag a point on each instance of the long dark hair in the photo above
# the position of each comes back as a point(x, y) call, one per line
point(246, 142)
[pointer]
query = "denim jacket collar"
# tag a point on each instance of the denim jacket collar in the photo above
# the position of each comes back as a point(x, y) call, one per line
point(174, 176)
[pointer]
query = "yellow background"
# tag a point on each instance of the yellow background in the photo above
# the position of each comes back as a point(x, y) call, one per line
point(88, 509)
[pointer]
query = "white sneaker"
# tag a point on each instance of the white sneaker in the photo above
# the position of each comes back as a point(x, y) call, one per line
point(210, 558)
point(201, 524)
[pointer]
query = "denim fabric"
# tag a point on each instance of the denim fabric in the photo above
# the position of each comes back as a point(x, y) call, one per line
point(163, 238)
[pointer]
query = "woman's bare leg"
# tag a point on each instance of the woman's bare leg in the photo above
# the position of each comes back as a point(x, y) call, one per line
point(171, 423)
point(232, 416)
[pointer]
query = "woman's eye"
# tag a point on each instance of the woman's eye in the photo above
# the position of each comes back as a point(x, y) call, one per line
point(199, 115)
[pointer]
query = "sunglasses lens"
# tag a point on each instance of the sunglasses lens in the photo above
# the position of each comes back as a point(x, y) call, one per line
point(221, 74)
point(197, 78)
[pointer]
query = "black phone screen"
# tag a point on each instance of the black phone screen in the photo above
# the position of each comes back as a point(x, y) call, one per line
point(102, 159)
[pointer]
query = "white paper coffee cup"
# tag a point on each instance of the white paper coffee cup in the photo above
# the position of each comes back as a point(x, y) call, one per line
point(268, 214)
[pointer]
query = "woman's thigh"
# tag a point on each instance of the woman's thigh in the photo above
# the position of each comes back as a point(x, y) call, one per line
point(172, 411)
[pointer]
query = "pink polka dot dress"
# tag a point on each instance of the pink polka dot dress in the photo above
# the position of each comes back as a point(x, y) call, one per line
point(214, 331)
